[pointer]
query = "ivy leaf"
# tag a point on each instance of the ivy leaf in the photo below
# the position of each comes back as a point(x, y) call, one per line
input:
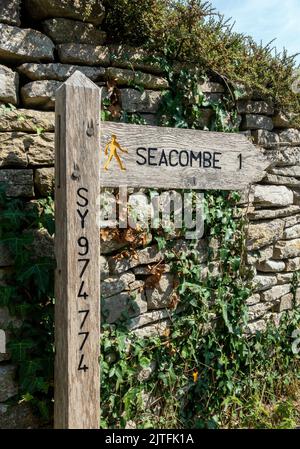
point(235, 263)
point(20, 349)
point(144, 362)
point(39, 273)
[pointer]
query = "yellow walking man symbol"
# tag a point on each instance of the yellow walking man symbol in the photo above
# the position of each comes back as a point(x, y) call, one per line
point(113, 146)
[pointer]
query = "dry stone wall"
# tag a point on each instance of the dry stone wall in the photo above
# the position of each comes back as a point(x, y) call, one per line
point(42, 42)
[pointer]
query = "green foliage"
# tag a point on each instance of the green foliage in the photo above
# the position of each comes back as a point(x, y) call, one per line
point(195, 34)
point(28, 295)
point(185, 105)
point(133, 21)
point(133, 118)
point(105, 112)
point(5, 108)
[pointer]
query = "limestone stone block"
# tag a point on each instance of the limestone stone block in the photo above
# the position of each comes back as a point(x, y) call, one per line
point(58, 72)
point(285, 278)
point(256, 327)
point(290, 136)
point(292, 221)
point(160, 295)
point(204, 121)
point(19, 183)
point(271, 266)
point(62, 31)
point(292, 264)
point(293, 171)
point(255, 107)
point(258, 310)
point(212, 97)
point(25, 45)
point(111, 245)
point(92, 12)
point(258, 256)
point(153, 330)
point(104, 268)
point(148, 318)
point(282, 180)
point(264, 233)
point(44, 180)
point(287, 249)
point(264, 282)
point(13, 152)
point(286, 302)
point(276, 293)
point(255, 121)
point(145, 373)
point(271, 214)
point(40, 94)
point(135, 101)
point(150, 119)
point(18, 416)
point(10, 12)
point(85, 54)
point(114, 285)
point(145, 256)
point(287, 155)
point(126, 77)
point(273, 196)
point(27, 120)
point(254, 299)
point(9, 85)
point(210, 87)
point(137, 285)
point(42, 244)
point(8, 386)
point(146, 270)
point(124, 304)
point(283, 120)
point(265, 138)
point(21, 149)
point(40, 149)
point(292, 232)
point(297, 197)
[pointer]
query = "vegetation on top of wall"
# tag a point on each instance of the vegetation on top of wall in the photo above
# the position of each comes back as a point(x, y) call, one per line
point(193, 32)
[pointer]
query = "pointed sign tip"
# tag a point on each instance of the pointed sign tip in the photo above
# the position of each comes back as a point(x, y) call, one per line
point(78, 79)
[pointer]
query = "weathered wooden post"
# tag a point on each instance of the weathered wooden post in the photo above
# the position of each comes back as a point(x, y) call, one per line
point(77, 247)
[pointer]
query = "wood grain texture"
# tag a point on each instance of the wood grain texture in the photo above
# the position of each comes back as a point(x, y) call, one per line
point(77, 282)
point(241, 162)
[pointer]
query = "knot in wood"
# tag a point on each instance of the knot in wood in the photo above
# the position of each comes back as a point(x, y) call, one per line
point(76, 173)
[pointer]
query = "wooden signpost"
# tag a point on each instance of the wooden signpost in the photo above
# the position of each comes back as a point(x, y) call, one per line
point(173, 158)
point(132, 155)
point(77, 289)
